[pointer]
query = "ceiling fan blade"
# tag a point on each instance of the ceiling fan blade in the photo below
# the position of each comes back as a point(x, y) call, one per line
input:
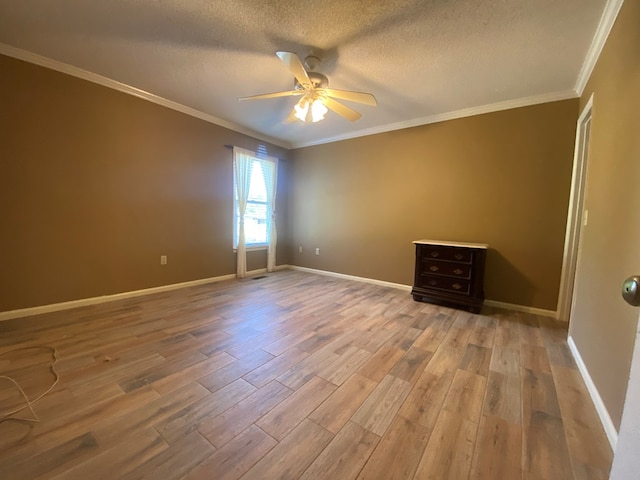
point(292, 117)
point(341, 109)
point(358, 97)
point(294, 64)
point(272, 95)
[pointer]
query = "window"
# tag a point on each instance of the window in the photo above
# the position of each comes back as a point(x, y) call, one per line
point(258, 212)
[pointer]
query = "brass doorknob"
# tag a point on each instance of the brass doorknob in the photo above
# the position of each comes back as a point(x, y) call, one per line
point(631, 290)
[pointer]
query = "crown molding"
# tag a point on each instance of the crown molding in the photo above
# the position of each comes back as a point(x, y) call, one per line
point(46, 62)
point(52, 64)
point(609, 15)
point(441, 117)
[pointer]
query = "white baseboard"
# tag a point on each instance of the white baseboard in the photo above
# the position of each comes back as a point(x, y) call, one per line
point(327, 273)
point(55, 307)
point(400, 286)
point(25, 312)
point(521, 308)
point(605, 419)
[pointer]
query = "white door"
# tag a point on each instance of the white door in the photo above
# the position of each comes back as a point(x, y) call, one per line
point(626, 459)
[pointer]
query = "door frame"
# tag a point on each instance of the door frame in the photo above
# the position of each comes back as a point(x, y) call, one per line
point(576, 213)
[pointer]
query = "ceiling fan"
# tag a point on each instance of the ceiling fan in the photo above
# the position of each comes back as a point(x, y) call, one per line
point(313, 87)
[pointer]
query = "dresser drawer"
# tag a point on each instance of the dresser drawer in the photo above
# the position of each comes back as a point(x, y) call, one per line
point(435, 267)
point(456, 285)
point(449, 254)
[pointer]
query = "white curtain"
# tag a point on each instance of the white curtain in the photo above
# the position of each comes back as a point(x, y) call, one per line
point(270, 179)
point(242, 169)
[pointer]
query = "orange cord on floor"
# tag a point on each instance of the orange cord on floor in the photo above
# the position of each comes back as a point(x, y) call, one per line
point(29, 403)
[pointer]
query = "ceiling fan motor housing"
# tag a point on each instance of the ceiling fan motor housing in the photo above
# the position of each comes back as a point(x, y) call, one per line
point(318, 80)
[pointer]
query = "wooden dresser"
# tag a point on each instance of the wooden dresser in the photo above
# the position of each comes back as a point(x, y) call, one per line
point(450, 273)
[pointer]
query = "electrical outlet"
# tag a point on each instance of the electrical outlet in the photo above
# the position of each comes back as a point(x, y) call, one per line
point(163, 259)
point(300, 249)
point(317, 251)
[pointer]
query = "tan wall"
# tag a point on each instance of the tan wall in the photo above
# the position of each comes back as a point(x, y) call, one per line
point(501, 178)
point(95, 185)
point(603, 326)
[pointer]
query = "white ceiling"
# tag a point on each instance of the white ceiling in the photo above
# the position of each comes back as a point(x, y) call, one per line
point(422, 59)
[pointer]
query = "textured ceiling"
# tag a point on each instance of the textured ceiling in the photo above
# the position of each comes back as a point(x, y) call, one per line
point(421, 59)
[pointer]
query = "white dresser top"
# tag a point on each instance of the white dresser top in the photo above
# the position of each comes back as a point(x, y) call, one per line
point(451, 244)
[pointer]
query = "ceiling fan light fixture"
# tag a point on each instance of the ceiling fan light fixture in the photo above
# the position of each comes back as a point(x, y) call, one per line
point(302, 109)
point(318, 110)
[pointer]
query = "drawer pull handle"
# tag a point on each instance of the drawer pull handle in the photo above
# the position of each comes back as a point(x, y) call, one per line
point(457, 271)
point(458, 256)
point(433, 268)
point(432, 282)
point(435, 254)
point(457, 286)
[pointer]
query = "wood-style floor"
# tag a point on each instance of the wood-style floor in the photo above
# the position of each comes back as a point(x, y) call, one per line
point(296, 376)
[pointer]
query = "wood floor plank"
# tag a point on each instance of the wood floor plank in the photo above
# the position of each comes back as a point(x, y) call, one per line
point(535, 358)
point(192, 416)
point(425, 400)
point(378, 411)
point(412, 364)
point(449, 452)
point(507, 330)
point(381, 362)
point(280, 346)
point(591, 458)
point(506, 360)
point(131, 452)
point(529, 330)
point(344, 456)
point(374, 340)
point(498, 447)
point(431, 338)
point(148, 415)
point(290, 412)
point(544, 447)
point(308, 368)
point(275, 367)
point(466, 395)
point(545, 450)
point(399, 452)
point(233, 371)
point(175, 461)
point(539, 393)
point(476, 359)
point(235, 458)
point(69, 422)
point(346, 378)
point(193, 372)
point(404, 338)
point(338, 408)
point(291, 457)
point(219, 430)
point(55, 460)
point(444, 360)
point(481, 335)
point(343, 366)
point(504, 397)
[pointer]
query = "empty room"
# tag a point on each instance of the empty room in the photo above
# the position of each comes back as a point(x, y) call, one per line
point(307, 240)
